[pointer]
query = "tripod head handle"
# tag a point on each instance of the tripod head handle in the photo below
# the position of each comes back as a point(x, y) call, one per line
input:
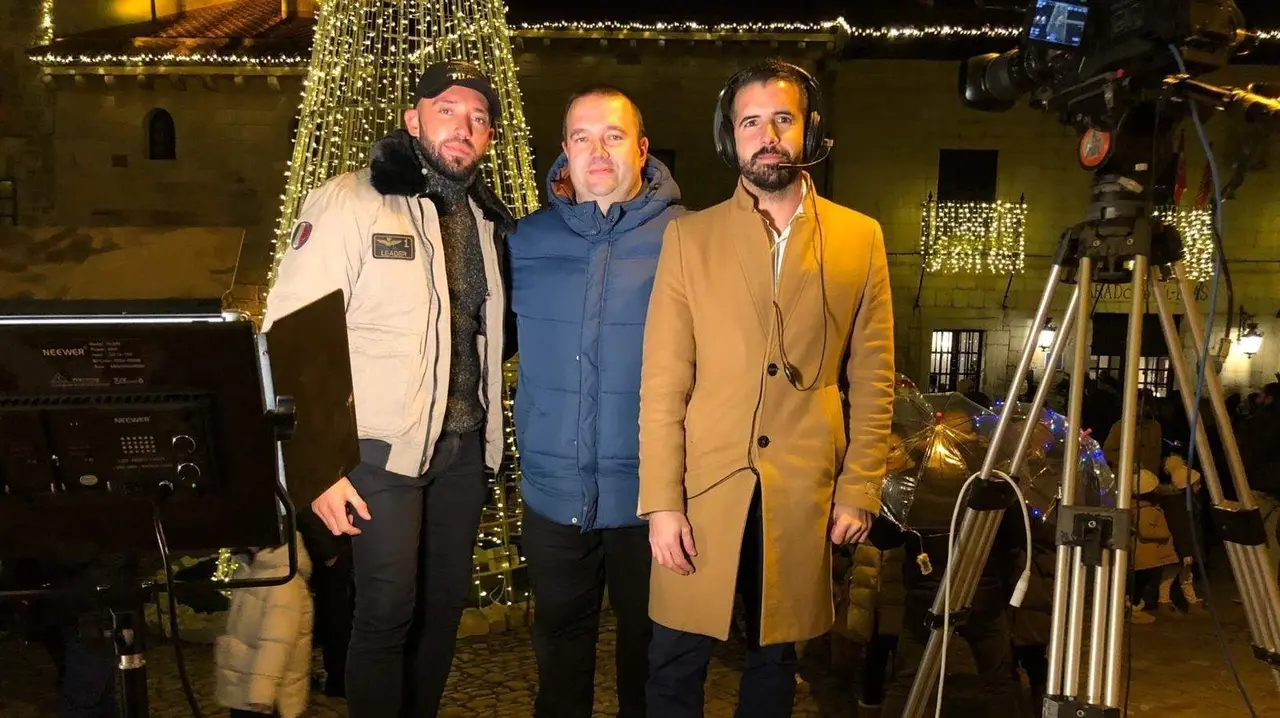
point(1259, 102)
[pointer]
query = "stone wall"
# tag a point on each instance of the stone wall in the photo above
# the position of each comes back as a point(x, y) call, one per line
point(26, 118)
point(233, 142)
point(899, 114)
point(889, 120)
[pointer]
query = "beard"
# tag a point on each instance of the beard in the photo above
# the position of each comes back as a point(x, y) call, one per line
point(770, 177)
point(457, 169)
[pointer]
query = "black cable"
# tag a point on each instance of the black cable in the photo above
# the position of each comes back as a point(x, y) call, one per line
point(1219, 270)
point(173, 615)
point(789, 369)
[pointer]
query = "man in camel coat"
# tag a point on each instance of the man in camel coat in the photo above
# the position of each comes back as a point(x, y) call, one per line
point(764, 308)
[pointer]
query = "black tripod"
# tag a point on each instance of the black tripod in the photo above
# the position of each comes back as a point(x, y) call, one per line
point(1120, 243)
point(128, 636)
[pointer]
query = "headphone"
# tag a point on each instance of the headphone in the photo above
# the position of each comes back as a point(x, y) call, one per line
point(816, 143)
point(816, 148)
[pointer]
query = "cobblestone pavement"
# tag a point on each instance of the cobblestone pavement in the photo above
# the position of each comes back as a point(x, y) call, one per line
point(1177, 671)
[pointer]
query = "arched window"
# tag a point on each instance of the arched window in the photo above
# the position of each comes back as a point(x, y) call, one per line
point(162, 139)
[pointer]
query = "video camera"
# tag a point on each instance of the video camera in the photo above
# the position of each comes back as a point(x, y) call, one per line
point(1079, 57)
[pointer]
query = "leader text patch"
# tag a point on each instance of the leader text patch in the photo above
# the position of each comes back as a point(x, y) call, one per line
point(392, 246)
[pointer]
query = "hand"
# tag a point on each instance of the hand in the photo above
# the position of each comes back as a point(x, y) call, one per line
point(331, 507)
point(671, 540)
point(263, 707)
point(849, 524)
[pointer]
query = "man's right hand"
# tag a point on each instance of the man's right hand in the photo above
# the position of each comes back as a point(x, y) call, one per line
point(331, 507)
point(671, 540)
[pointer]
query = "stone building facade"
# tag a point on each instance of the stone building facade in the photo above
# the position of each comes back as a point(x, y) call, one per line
point(88, 146)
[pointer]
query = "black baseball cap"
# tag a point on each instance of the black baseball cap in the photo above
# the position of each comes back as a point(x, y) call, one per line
point(440, 76)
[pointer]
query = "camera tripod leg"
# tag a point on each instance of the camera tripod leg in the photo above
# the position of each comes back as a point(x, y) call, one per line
point(1112, 690)
point(1260, 624)
point(978, 527)
point(128, 633)
point(1244, 536)
point(1067, 622)
point(1093, 542)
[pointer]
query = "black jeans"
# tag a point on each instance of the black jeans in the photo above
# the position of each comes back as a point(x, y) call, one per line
point(569, 571)
point(877, 657)
point(413, 567)
point(86, 669)
point(678, 660)
point(331, 582)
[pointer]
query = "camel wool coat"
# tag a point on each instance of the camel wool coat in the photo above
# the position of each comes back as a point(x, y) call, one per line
point(718, 415)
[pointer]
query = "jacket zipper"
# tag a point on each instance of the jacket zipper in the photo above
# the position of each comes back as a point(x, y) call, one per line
point(428, 444)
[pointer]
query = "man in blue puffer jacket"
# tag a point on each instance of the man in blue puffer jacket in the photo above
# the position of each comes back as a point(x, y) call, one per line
point(582, 270)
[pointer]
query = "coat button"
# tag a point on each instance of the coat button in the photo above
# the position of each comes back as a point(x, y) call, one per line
point(773, 370)
point(763, 442)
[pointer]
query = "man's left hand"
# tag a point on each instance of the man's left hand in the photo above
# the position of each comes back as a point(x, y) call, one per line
point(849, 525)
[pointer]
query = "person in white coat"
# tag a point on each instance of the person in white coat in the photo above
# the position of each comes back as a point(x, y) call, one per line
point(264, 658)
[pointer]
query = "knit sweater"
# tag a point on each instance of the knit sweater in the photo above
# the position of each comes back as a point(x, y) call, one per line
point(464, 270)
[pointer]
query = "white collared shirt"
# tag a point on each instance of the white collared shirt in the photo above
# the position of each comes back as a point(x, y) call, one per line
point(779, 239)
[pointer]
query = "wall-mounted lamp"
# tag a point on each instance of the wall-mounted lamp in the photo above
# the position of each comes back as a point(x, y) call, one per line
point(1247, 334)
point(1045, 342)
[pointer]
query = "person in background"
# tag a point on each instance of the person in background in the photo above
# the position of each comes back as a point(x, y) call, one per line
point(582, 270)
point(264, 658)
point(1149, 435)
point(1153, 557)
point(1172, 499)
point(1031, 622)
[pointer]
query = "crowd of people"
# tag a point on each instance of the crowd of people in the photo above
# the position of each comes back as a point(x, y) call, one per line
point(886, 590)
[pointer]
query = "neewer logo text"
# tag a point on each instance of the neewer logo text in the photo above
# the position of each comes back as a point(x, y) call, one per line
point(133, 419)
point(77, 352)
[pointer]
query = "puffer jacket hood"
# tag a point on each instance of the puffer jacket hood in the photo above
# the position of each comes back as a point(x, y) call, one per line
point(585, 219)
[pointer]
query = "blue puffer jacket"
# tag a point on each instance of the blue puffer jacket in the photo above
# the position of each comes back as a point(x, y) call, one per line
point(580, 292)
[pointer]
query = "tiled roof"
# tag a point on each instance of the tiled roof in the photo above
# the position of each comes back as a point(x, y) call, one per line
point(239, 32)
point(241, 19)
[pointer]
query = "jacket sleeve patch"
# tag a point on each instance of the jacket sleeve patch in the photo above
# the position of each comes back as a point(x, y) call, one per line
point(393, 246)
point(301, 233)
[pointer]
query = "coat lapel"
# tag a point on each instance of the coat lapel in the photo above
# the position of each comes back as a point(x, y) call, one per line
point(799, 262)
point(751, 242)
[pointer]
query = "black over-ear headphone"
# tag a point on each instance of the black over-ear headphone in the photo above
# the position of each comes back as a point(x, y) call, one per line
point(815, 138)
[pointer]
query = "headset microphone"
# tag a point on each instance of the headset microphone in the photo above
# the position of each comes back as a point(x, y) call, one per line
point(822, 156)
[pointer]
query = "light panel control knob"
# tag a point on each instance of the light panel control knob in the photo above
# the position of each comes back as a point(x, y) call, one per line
point(184, 445)
point(188, 475)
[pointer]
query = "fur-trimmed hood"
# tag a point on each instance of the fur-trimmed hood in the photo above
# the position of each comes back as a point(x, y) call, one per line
point(395, 170)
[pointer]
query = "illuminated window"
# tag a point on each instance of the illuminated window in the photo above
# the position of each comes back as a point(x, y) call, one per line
point(954, 357)
point(1110, 341)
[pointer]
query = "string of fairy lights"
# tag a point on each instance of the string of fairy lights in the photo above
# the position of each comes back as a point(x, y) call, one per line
point(365, 59)
point(44, 28)
point(839, 28)
point(973, 237)
point(976, 237)
point(1195, 224)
